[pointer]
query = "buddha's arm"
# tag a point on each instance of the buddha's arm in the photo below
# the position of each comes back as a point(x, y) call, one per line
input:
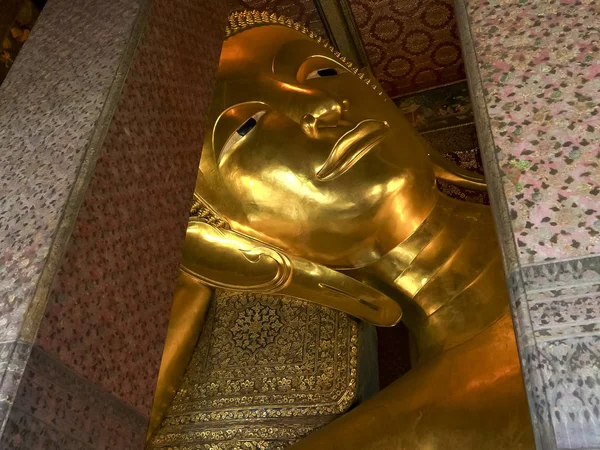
point(223, 258)
point(471, 397)
point(190, 304)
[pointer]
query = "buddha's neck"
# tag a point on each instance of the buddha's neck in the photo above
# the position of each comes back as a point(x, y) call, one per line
point(450, 274)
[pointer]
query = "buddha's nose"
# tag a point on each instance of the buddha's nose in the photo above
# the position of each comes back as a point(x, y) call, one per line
point(324, 115)
point(312, 108)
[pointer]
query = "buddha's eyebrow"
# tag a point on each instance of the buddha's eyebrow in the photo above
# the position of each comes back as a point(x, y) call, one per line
point(291, 55)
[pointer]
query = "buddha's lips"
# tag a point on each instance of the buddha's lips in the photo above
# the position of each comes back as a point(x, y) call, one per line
point(352, 146)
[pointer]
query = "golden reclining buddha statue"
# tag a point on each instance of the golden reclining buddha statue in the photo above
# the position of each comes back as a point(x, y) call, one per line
point(312, 185)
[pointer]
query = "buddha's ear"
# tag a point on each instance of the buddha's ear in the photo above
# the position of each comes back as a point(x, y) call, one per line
point(446, 170)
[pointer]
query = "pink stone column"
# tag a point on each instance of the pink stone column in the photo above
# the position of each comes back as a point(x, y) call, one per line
point(101, 121)
point(534, 74)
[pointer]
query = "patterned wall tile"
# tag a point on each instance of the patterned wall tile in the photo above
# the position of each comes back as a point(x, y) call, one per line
point(50, 103)
point(572, 371)
point(537, 396)
point(485, 139)
point(532, 78)
point(537, 63)
point(25, 431)
point(13, 359)
point(564, 306)
point(560, 273)
point(563, 298)
point(108, 310)
point(411, 44)
point(57, 409)
point(556, 312)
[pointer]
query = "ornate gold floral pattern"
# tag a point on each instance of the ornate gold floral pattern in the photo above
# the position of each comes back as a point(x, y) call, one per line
point(256, 327)
point(267, 370)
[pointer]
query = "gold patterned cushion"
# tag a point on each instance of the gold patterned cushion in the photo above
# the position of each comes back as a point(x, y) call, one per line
point(267, 371)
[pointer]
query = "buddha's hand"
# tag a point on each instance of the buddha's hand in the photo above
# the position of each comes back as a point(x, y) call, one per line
point(227, 259)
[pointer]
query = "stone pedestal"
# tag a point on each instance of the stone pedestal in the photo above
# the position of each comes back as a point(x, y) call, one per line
point(535, 83)
point(101, 122)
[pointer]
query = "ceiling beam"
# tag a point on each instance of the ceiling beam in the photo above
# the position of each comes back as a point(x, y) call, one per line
point(342, 31)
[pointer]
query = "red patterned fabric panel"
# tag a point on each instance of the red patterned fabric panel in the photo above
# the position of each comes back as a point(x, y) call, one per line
point(411, 44)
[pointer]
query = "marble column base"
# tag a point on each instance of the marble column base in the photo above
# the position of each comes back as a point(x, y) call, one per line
point(534, 88)
point(55, 408)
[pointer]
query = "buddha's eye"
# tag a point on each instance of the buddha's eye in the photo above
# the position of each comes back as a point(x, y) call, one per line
point(321, 73)
point(246, 127)
point(241, 132)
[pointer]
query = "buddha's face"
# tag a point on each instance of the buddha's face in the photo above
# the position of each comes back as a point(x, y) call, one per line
point(306, 156)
